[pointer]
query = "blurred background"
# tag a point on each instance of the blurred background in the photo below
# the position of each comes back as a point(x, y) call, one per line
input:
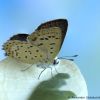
point(83, 35)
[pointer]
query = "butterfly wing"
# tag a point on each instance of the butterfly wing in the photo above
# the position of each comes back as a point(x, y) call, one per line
point(49, 37)
point(21, 37)
point(45, 43)
point(25, 52)
point(7, 46)
point(48, 40)
point(61, 23)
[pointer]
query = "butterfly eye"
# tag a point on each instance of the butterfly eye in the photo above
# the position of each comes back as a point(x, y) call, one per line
point(55, 62)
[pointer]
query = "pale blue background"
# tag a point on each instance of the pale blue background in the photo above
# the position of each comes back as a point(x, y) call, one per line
point(83, 35)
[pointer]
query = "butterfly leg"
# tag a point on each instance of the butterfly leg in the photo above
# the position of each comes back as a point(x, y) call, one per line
point(41, 72)
point(44, 68)
point(51, 71)
point(56, 69)
point(27, 68)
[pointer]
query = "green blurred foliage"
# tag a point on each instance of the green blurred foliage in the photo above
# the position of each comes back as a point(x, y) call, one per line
point(49, 90)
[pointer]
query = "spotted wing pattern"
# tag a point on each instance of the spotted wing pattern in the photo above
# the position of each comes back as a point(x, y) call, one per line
point(48, 40)
point(24, 52)
point(61, 23)
point(42, 46)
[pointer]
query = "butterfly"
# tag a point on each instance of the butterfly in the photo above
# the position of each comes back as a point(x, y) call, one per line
point(41, 46)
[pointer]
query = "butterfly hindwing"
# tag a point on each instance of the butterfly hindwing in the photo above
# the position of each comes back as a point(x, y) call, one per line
point(26, 52)
point(7, 46)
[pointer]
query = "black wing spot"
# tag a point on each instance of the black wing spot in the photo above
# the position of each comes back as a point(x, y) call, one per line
point(52, 43)
point(51, 52)
point(57, 38)
point(40, 44)
point(35, 56)
point(25, 56)
point(51, 48)
point(19, 57)
point(41, 38)
point(30, 52)
point(40, 55)
point(7, 45)
point(37, 50)
point(34, 39)
point(30, 47)
point(46, 38)
point(16, 54)
point(49, 36)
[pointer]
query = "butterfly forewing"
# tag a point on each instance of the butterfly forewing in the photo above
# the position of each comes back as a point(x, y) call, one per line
point(48, 40)
point(61, 23)
point(46, 36)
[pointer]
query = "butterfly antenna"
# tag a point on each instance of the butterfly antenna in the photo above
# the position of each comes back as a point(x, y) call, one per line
point(65, 57)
